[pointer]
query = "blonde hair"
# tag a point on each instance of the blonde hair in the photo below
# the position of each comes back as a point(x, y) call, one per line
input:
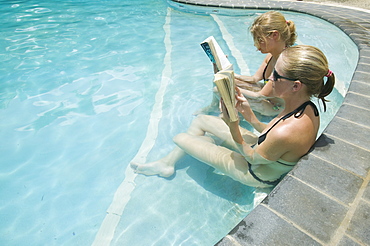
point(273, 21)
point(309, 65)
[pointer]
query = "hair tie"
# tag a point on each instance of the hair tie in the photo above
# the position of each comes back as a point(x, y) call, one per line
point(329, 74)
point(287, 22)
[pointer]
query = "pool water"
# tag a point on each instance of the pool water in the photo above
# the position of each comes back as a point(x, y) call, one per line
point(88, 86)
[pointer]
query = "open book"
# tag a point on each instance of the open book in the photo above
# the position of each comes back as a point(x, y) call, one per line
point(224, 81)
point(215, 53)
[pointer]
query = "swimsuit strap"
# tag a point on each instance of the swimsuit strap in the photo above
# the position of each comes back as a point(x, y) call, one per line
point(297, 113)
point(285, 164)
point(264, 71)
point(268, 182)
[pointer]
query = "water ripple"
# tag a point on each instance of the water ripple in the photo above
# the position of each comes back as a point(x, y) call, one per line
point(18, 37)
point(37, 27)
point(78, 81)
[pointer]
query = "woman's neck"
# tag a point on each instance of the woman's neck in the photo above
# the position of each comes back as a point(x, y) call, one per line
point(280, 46)
point(293, 103)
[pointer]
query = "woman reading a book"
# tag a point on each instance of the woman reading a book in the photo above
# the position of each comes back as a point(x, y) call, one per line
point(272, 33)
point(300, 73)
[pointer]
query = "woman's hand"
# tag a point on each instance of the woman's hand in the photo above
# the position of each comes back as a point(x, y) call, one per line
point(242, 104)
point(239, 95)
point(245, 109)
point(233, 125)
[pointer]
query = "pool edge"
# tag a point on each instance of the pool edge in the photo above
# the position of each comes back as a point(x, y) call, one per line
point(326, 207)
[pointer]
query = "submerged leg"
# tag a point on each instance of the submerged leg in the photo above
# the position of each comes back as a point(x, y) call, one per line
point(223, 159)
point(217, 127)
point(165, 167)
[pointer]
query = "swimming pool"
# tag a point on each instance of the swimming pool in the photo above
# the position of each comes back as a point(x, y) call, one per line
point(82, 83)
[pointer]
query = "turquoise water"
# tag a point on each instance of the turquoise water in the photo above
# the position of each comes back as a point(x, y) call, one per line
point(81, 82)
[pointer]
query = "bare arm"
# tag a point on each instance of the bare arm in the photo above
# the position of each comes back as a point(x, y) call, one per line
point(280, 143)
point(265, 93)
point(243, 107)
point(272, 149)
point(240, 79)
point(252, 94)
point(246, 150)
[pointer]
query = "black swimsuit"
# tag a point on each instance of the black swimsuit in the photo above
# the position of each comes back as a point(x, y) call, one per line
point(275, 106)
point(297, 113)
point(265, 80)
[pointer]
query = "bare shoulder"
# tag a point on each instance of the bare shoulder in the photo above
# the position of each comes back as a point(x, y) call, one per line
point(299, 133)
point(290, 139)
point(267, 58)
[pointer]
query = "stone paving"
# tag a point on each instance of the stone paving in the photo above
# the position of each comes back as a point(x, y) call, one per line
point(325, 199)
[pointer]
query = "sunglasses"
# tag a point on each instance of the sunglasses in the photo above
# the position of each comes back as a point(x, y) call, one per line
point(277, 76)
point(261, 39)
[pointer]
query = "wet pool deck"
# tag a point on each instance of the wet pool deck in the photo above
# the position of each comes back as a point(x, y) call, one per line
point(325, 199)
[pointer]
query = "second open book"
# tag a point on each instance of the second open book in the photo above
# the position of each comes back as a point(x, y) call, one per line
point(224, 78)
point(224, 81)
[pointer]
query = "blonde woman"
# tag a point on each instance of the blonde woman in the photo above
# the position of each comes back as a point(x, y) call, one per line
point(272, 33)
point(300, 73)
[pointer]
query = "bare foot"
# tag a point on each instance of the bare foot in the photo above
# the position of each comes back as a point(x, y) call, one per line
point(160, 168)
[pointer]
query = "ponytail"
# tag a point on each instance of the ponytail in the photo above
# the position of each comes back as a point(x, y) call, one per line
point(273, 21)
point(309, 65)
point(292, 33)
point(327, 88)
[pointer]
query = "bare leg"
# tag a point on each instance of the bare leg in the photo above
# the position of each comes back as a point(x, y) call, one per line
point(164, 167)
point(223, 159)
point(217, 127)
point(200, 125)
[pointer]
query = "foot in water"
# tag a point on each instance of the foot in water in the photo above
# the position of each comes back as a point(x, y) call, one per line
point(160, 168)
